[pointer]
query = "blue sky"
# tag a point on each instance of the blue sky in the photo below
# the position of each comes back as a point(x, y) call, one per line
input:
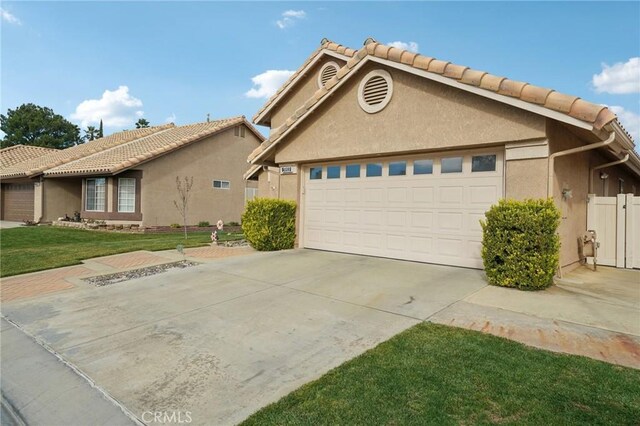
point(179, 61)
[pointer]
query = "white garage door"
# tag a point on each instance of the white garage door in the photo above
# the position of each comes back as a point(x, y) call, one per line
point(424, 208)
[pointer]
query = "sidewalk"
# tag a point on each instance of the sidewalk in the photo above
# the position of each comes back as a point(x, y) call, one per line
point(69, 277)
point(38, 388)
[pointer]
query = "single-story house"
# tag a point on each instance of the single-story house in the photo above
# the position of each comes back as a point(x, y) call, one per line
point(395, 154)
point(130, 177)
point(16, 199)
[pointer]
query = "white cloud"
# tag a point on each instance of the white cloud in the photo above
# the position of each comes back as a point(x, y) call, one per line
point(268, 83)
point(289, 17)
point(629, 119)
point(9, 17)
point(412, 46)
point(115, 108)
point(619, 78)
point(171, 118)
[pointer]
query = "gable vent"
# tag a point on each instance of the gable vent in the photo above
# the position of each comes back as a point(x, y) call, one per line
point(327, 72)
point(375, 91)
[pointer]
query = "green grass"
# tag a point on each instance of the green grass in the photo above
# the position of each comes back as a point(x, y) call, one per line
point(433, 374)
point(29, 249)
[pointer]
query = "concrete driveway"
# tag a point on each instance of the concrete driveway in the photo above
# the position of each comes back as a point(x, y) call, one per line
point(223, 339)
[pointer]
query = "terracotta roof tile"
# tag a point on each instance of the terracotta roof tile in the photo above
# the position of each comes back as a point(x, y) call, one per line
point(595, 114)
point(455, 71)
point(437, 66)
point(56, 158)
point(511, 88)
point(472, 77)
point(535, 94)
point(129, 154)
point(328, 45)
point(15, 154)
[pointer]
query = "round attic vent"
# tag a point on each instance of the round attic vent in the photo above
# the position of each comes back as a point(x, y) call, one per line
point(375, 91)
point(327, 72)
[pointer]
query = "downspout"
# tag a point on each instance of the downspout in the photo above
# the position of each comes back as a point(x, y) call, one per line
point(41, 199)
point(613, 163)
point(552, 157)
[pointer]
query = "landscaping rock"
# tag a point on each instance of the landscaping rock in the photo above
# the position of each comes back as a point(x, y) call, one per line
point(118, 277)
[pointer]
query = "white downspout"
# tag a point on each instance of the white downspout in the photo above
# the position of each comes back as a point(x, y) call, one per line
point(613, 163)
point(552, 157)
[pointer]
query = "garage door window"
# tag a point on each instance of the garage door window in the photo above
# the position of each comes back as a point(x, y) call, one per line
point(483, 163)
point(95, 195)
point(374, 169)
point(423, 167)
point(333, 172)
point(451, 165)
point(315, 173)
point(353, 170)
point(398, 168)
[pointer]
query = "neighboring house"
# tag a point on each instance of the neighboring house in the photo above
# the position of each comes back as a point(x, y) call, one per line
point(134, 182)
point(395, 154)
point(16, 199)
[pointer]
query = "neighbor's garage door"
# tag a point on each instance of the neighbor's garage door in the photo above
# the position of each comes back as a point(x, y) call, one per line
point(17, 201)
point(424, 208)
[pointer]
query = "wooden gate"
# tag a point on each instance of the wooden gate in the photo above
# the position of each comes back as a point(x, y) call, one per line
point(616, 221)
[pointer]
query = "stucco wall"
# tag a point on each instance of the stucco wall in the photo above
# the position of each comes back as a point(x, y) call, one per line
point(305, 88)
point(611, 183)
point(422, 115)
point(222, 157)
point(526, 178)
point(269, 183)
point(61, 196)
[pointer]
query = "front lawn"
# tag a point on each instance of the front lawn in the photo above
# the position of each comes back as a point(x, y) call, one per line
point(29, 249)
point(433, 374)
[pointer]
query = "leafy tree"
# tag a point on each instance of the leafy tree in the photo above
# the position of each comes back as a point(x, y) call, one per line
point(30, 124)
point(142, 123)
point(90, 133)
point(100, 131)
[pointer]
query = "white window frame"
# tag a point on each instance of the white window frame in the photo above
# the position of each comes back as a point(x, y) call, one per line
point(104, 194)
point(222, 184)
point(120, 186)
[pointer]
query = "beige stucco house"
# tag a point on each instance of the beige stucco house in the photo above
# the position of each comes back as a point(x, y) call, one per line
point(395, 154)
point(130, 177)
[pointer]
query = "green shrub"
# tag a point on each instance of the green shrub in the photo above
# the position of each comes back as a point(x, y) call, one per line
point(270, 224)
point(203, 224)
point(175, 225)
point(520, 244)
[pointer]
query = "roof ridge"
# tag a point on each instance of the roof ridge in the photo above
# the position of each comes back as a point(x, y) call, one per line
point(325, 43)
point(596, 115)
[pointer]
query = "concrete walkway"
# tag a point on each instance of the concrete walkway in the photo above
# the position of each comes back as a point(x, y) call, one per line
point(39, 389)
point(5, 224)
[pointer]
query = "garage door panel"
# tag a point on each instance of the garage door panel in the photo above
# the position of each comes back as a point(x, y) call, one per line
point(429, 218)
point(18, 201)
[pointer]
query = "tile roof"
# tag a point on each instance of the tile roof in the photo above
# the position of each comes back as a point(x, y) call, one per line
point(595, 114)
point(143, 149)
point(324, 45)
point(56, 158)
point(18, 153)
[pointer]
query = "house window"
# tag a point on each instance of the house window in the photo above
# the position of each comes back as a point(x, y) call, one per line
point(620, 186)
point(353, 170)
point(315, 173)
point(451, 165)
point(126, 195)
point(374, 169)
point(94, 196)
point(221, 184)
point(423, 167)
point(333, 172)
point(239, 131)
point(483, 163)
point(398, 168)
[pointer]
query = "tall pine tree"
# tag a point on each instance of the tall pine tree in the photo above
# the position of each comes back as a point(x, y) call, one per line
point(100, 130)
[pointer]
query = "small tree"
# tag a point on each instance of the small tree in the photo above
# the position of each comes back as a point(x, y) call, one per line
point(184, 189)
point(142, 124)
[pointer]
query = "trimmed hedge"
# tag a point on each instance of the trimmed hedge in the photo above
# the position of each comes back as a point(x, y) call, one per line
point(520, 244)
point(270, 224)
